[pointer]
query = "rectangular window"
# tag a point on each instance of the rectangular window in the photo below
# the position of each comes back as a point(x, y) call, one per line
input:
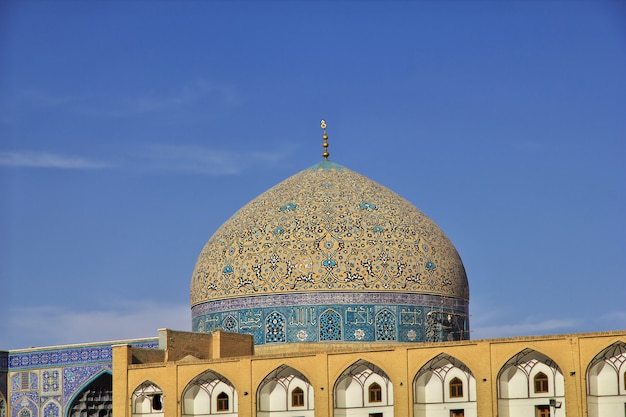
point(542, 411)
point(457, 413)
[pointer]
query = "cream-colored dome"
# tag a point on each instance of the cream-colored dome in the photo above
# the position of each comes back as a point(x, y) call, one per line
point(328, 229)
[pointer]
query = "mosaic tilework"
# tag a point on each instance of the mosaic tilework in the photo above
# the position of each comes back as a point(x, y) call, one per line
point(75, 377)
point(44, 381)
point(16, 383)
point(24, 404)
point(327, 229)
point(330, 325)
point(55, 357)
point(385, 325)
point(50, 381)
point(352, 317)
point(303, 299)
point(24, 381)
point(51, 409)
point(275, 327)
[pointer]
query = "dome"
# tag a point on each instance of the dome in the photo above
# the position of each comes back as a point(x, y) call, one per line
point(329, 254)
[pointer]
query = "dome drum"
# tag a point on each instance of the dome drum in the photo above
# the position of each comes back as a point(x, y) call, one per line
point(346, 317)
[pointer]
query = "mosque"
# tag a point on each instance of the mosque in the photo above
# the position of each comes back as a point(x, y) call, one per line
point(327, 295)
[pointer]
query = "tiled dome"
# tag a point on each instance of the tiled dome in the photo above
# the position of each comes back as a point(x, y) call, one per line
point(331, 232)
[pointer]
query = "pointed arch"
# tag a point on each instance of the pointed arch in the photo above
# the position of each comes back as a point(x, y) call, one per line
point(147, 399)
point(209, 393)
point(230, 324)
point(363, 386)
point(385, 325)
point(27, 407)
point(51, 408)
point(606, 381)
point(444, 382)
point(515, 378)
point(94, 398)
point(285, 389)
point(330, 325)
point(275, 324)
point(527, 380)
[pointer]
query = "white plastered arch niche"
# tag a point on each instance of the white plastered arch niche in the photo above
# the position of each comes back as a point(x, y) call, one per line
point(606, 382)
point(529, 384)
point(210, 393)
point(363, 389)
point(283, 391)
point(147, 400)
point(444, 387)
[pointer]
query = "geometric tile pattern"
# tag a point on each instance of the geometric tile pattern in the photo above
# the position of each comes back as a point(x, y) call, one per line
point(51, 409)
point(45, 381)
point(75, 377)
point(50, 381)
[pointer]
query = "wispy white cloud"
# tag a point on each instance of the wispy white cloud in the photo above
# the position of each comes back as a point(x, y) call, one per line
point(613, 320)
point(207, 161)
point(54, 325)
point(499, 330)
point(198, 93)
point(487, 324)
point(30, 159)
point(190, 159)
point(39, 98)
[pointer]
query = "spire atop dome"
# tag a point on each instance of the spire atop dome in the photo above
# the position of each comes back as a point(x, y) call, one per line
point(325, 154)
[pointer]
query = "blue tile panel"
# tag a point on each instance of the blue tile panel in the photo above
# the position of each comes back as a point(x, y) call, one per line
point(59, 356)
point(44, 382)
point(348, 317)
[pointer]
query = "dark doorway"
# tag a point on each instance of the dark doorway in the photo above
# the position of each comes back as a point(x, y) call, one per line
point(95, 400)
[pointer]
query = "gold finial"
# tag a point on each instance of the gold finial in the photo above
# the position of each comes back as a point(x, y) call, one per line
point(325, 154)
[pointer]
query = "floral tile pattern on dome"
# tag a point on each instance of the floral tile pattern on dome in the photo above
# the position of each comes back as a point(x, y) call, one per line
point(327, 229)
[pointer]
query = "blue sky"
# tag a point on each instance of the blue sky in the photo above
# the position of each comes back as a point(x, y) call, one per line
point(130, 131)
